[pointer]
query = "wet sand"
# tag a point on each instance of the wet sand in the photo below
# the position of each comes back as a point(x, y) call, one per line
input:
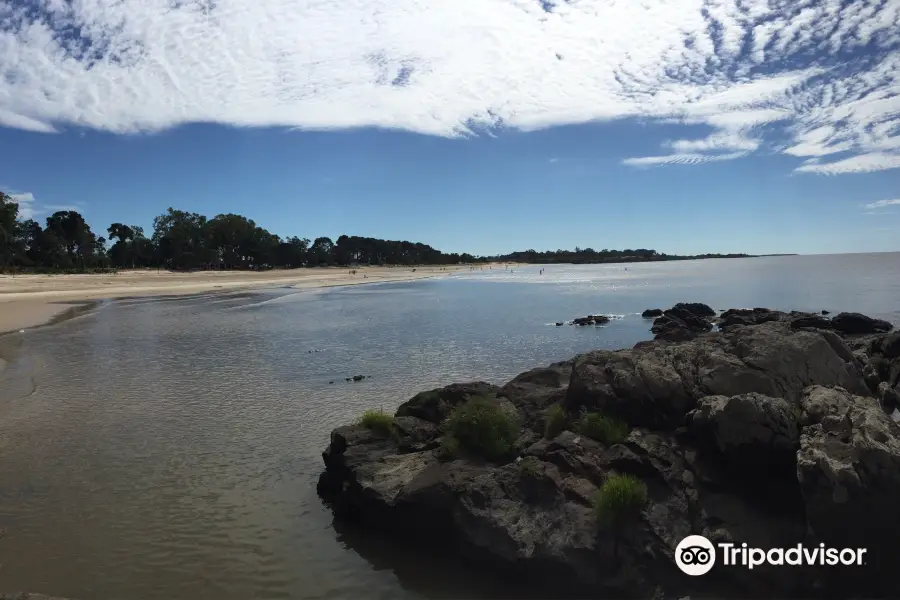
point(31, 300)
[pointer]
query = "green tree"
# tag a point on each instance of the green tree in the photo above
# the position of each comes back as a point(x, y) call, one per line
point(320, 251)
point(9, 214)
point(181, 239)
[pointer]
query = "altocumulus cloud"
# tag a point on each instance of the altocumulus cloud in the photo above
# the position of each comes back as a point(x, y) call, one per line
point(814, 79)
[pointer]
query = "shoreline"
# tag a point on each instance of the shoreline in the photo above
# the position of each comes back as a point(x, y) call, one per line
point(29, 301)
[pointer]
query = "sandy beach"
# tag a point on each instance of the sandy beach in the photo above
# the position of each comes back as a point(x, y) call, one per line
point(31, 300)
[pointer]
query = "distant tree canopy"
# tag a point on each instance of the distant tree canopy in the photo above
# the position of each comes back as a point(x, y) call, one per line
point(591, 256)
point(185, 240)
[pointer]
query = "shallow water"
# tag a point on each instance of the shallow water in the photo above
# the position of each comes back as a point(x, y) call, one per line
point(169, 448)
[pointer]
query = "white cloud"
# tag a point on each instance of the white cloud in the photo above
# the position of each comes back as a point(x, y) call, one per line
point(824, 73)
point(684, 158)
point(882, 204)
point(26, 204)
point(864, 163)
point(29, 208)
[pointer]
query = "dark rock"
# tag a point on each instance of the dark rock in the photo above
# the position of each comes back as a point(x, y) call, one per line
point(535, 390)
point(330, 382)
point(358, 377)
point(414, 434)
point(652, 313)
point(695, 308)
point(888, 396)
point(559, 323)
point(890, 346)
point(848, 468)
point(762, 433)
point(679, 324)
point(748, 316)
point(814, 321)
point(825, 312)
point(656, 385)
point(752, 431)
point(435, 405)
point(855, 323)
point(591, 320)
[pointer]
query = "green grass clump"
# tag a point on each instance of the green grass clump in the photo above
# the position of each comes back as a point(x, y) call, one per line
point(484, 429)
point(556, 421)
point(603, 429)
point(620, 498)
point(377, 420)
point(449, 448)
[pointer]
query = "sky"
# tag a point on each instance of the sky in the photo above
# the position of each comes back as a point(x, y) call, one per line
point(481, 126)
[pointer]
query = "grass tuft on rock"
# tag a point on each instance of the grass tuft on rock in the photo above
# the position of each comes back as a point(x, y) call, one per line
point(620, 498)
point(556, 421)
point(449, 448)
point(377, 421)
point(484, 429)
point(603, 429)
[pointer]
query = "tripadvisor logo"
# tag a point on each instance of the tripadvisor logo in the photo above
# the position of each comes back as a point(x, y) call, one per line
point(696, 555)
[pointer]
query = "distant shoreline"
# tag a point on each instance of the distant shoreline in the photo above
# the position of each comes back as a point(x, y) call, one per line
point(571, 258)
point(28, 301)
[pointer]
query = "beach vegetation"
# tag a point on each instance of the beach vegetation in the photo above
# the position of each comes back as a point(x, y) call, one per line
point(485, 429)
point(603, 429)
point(618, 505)
point(448, 448)
point(557, 421)
point(378, 421)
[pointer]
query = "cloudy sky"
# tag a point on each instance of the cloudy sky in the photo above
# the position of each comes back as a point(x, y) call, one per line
point(479, 125)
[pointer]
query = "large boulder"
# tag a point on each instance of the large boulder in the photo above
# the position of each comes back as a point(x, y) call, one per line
point(655, 385)
point(695, 308)
point(810, 320)
point(848, 468)
point(680, 324)
point(435, 405)
point(890, 346)
point(534, 391)
point(855, 323)
point(591, 320)
point(734, 317)
point(752, 431)
point(652, 313)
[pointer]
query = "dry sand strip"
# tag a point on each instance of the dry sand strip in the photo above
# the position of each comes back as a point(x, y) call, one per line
point(31, 300)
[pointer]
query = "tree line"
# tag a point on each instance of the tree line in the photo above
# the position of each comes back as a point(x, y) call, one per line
point(183, 240)
point(591, 256)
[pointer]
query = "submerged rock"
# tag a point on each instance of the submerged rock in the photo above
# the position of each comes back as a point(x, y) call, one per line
point(765, 433)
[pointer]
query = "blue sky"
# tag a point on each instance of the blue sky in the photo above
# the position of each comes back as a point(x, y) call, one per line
point(689, 126)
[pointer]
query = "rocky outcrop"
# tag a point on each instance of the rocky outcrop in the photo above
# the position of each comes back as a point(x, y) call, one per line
point(591, 320)
point(751, 431)
point(856, 323)
point(652, 313)
point(682, 322)
point(763, 432)
point(434, 406)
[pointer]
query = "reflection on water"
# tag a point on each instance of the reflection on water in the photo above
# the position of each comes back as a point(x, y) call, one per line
point(160, 448)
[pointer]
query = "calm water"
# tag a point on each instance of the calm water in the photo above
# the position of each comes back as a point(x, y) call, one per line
point(169, 448)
